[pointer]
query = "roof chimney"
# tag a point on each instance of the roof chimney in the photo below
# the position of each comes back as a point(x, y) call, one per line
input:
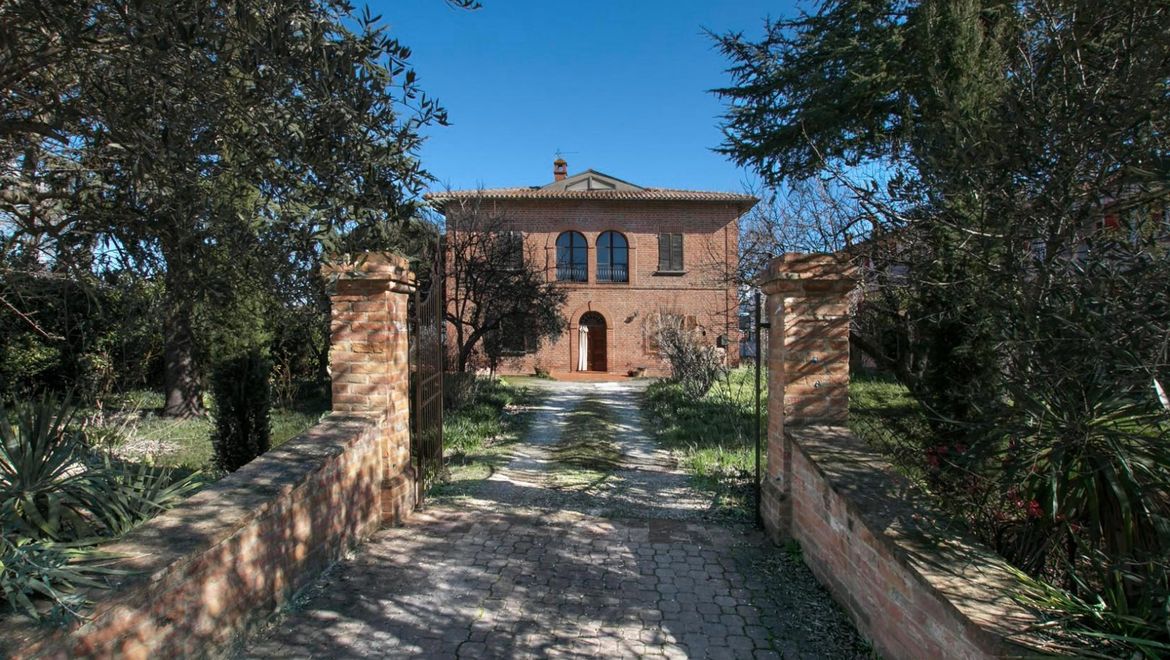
point(560, 169)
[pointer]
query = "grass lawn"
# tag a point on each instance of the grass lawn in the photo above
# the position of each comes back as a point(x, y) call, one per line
point(884, 414)
point(712, 437)
point(139, 432)
point(477, 432)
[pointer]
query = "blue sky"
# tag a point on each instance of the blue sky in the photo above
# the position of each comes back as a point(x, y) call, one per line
point(618, 86)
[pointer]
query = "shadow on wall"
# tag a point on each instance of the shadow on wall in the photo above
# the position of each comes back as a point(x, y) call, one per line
point(225, 559)
point(912, 578)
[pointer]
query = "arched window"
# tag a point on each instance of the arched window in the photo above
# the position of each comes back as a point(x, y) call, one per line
point(613, 258)
point(571, 251)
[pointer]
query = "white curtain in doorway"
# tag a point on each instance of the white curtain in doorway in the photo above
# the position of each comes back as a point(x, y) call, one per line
point(583, 348)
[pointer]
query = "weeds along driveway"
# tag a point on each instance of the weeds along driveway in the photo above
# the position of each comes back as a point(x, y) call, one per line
point(587, 542)
point(587, 451)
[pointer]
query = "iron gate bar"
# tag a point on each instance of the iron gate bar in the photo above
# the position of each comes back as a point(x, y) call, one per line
point(427, 413)
point(759, 325)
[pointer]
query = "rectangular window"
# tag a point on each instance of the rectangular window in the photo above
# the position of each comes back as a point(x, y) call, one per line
point(650, 341)
point(1039, 248)
point(1133, 222)
point(670, 253)
point(517, 344)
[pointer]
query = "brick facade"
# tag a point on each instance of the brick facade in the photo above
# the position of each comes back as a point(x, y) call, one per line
point(708, 223)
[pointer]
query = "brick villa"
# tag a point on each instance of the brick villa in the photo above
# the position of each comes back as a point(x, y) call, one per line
point(625, 253)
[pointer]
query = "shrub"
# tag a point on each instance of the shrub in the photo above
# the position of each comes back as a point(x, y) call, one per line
point(694, 364)
point(1070, 482)
point(92, 334)
point(59, 498)
point(242, 405)
point(712, 436)
point(458, 389)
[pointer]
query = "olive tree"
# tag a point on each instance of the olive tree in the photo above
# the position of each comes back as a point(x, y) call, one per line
point(215, 147)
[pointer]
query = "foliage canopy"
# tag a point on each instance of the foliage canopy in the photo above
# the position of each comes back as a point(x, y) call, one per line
point(217, 148)
point(1007, 165)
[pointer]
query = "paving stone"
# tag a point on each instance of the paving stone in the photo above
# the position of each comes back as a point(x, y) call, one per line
point(517, 571)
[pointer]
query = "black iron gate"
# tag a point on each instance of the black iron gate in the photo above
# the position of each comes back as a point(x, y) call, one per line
point(426, 387)
point(759, 332)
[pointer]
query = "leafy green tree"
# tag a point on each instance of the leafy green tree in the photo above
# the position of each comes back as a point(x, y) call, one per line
point(997, 130)
point(184, 139)
point(980, 146)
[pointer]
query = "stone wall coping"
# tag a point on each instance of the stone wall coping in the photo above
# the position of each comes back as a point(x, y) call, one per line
point(973, 580)
point(167, 544)
point(373, 266)
point(798, 269)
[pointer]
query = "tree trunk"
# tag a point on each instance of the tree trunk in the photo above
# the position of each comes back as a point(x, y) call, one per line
point(180, 372)
point(321, 351)
point(465, 349)
point(464, 354)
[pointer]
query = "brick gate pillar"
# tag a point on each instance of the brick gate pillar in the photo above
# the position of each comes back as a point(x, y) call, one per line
point(808, 362)
point(369, 361)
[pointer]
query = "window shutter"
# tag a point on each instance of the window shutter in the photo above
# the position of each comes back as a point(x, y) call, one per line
point(663, 252)
point(676, 252)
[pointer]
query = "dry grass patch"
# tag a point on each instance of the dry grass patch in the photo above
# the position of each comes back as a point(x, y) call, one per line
point(586, 454)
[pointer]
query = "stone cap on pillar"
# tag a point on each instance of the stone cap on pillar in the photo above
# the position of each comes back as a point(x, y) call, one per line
point(830, 273)
point(370, 267)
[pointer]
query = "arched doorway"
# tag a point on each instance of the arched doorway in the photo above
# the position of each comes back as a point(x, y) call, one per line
point(591, 345)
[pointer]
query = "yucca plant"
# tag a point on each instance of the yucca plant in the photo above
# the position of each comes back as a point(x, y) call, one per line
point(1094, 628)
point(44, 483)
point(60, 499)
point(1074, 457)
point(33, 573)
point(132, 493)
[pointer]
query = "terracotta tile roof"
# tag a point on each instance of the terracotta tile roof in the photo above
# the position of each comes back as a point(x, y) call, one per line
point(644, 194)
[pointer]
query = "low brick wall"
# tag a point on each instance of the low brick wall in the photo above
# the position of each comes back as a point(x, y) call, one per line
point(915, 585)
point(224, 560)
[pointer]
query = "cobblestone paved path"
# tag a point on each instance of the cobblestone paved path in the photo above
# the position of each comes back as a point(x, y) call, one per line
point(631, 568)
